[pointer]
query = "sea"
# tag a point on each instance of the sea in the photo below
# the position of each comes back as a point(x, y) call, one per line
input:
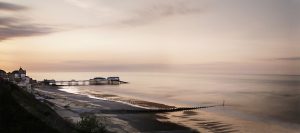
point(253, 102)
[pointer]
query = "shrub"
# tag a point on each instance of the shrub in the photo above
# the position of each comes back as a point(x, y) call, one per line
point(90, 124)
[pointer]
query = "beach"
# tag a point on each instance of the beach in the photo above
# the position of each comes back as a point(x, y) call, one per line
point(70, 106)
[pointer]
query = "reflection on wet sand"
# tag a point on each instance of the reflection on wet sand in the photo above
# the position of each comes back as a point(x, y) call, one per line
point(190, 118)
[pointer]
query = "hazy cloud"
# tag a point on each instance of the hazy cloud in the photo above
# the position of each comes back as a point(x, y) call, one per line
point(95, 65)
point(78, 3)
point(4, 21)
point(135, 12)
point(11, 26)
point(23, 30)
point(157, 11)
point(89, 65)
point(289, 59)
point(12, 7)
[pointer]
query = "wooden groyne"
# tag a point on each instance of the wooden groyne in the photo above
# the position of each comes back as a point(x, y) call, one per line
point(140, 111)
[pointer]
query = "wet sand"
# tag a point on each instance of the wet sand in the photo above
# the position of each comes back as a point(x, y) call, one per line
point(71, 106)
point(209, 121)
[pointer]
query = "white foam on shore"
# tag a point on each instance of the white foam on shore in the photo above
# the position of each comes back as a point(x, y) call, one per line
point(133, 105)
point(75, 90)
point(70, 89)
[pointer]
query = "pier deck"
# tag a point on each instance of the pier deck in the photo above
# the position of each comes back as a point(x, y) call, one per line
point(80, 82)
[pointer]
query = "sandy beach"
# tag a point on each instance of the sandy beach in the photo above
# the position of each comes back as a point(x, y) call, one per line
point(71, 106)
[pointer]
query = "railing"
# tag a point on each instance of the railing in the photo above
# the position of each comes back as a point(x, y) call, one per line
point(83, 82)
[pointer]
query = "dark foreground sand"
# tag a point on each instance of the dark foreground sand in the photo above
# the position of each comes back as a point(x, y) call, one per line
point(71, 106)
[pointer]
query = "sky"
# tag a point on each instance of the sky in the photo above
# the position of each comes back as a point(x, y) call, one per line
point(233, 36)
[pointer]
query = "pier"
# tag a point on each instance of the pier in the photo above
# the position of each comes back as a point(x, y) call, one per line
point(95, 81)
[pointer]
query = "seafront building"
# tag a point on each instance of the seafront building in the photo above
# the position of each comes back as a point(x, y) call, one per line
point(98, 81)
point(19, 78)
point(113, 80)
point(3, 75)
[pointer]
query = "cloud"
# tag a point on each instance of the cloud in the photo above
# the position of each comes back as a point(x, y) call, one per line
point(289, 59)
point(156, 11)
point(23, 30)
point(11, 26)
point(11, 7)
point(93, 66)
point(7, 20)
point(78, 3)
point(138, 12)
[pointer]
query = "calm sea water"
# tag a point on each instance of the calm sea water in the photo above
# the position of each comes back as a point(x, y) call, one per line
point(267, 97)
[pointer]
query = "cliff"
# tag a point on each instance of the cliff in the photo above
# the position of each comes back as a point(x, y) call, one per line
point(21, 112)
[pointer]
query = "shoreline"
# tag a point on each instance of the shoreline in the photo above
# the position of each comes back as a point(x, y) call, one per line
point(71, 106)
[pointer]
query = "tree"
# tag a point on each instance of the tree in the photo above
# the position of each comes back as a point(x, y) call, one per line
point(90, 124)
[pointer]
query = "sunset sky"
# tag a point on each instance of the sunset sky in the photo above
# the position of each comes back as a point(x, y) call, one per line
point(250, 36)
